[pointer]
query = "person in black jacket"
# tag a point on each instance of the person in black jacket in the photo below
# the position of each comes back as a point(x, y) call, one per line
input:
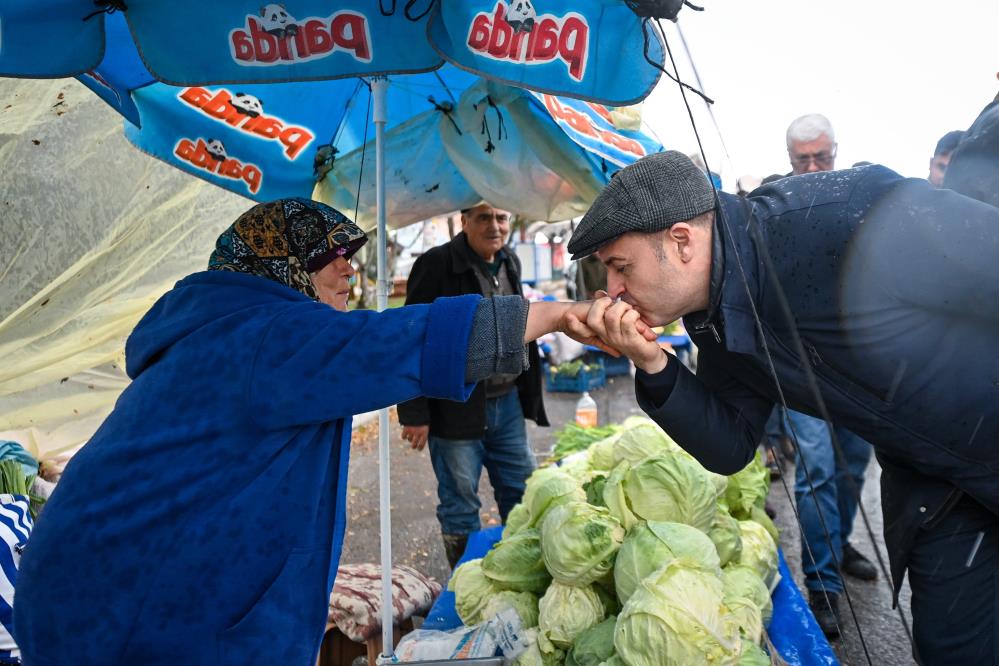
point(487, 430)
point(887, 318)
point(941, 156)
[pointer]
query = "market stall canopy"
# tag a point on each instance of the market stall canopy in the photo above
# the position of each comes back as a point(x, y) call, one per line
point(453, 137)
point(597, 50)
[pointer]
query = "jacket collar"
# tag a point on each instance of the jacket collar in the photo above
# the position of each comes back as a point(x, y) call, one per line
point(463, 257)
point(729, 316)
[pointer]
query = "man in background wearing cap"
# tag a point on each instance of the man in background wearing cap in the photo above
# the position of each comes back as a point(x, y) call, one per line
point(891, 288)
point(487, 430)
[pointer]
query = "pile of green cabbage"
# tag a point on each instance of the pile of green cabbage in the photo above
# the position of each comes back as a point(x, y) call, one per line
point(632, 554)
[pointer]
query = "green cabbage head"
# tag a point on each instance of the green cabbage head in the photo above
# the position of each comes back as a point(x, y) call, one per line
point(639, 439)
point(516, 564)
point(743, 582)
point(672, 488)
point(594, 646)
point(579, 541)
point(516, 520)
point(748, 488)
point(676, 617)
point(725, 534)
point(472, 591)
point(566, 611)
point(650, 546)
point(524, 603)
point(549, 487)
point(759, 552)
point(602, 453)
point(760, 515)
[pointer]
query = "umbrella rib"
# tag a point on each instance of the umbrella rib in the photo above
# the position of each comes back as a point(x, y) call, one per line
point(446, 87)
point(360, 172)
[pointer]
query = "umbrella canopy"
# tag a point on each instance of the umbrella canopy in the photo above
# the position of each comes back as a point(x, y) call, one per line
point(191, 42)
point(451, 140)
point(537, 155)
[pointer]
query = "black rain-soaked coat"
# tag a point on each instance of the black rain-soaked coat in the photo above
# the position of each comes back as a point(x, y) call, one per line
point(894, 286)
point(447, 270)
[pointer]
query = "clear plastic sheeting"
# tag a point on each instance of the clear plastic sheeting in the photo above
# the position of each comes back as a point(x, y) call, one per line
point(92, 233)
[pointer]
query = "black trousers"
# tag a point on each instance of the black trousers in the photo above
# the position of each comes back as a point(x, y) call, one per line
point(954, 576)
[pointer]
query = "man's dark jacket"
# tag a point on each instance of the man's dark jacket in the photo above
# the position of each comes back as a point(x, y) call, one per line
point(974, 165)
point(449, 270)
point(894, 290)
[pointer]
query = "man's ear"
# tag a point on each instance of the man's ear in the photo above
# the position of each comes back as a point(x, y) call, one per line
point(679, 236)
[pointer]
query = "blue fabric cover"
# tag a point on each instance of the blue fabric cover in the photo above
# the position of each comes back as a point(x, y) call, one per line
point(203, 522)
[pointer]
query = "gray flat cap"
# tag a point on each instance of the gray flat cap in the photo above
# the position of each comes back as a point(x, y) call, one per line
point(650, 195)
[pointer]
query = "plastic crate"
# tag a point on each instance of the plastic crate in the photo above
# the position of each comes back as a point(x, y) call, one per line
point(616, 367)
point(585, 380)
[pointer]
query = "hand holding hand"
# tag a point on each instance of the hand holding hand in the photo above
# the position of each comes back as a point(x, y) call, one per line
point(571, 319)
point(620, 326)
point(572, 324)
point(416, 436)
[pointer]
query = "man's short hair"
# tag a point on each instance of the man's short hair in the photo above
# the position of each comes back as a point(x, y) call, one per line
point(809, 128)
point(948, 142)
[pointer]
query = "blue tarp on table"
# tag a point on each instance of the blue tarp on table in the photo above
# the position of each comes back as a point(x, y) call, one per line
point(792, 630)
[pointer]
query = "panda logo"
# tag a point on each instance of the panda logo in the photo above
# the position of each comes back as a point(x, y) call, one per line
point(248, 105)
point(216, 150)
point(277, 21)
point(520, 16)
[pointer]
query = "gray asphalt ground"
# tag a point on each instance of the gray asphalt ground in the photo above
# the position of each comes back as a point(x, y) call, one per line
point(416, 534)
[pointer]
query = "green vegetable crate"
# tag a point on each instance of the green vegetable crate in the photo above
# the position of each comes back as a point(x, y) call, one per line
point(575, 377)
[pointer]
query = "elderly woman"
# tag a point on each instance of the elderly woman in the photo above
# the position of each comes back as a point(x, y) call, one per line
point(202, 523)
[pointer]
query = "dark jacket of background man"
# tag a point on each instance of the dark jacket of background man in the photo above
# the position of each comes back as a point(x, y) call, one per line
point(448, 270)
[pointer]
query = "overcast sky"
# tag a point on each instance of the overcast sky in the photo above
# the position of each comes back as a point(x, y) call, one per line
point(893, 76)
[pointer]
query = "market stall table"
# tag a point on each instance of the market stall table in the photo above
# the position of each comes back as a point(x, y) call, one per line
point(792, 630)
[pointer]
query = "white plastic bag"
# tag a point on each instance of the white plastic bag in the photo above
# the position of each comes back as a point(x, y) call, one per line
point(460, 643)
point(505, 632)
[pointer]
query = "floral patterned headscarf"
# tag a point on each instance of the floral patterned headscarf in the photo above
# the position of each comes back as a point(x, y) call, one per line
point(285, 240)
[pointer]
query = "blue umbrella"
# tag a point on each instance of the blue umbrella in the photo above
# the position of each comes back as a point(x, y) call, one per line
point(553, 47)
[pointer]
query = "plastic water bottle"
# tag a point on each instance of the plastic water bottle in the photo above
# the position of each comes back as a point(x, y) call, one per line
point(586, 411)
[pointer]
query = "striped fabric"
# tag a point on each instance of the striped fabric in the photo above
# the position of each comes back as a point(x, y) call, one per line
point(15, 527)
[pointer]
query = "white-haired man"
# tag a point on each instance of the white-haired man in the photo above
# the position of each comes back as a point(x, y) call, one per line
point(811, 144)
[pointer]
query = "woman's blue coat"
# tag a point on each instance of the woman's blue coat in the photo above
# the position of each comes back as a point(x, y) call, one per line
point(202, 524)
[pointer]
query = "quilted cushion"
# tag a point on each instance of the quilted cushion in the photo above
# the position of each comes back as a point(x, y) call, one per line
point(356, 601)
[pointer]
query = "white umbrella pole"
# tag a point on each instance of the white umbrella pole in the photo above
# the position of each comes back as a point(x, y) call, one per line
point(379, 86)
